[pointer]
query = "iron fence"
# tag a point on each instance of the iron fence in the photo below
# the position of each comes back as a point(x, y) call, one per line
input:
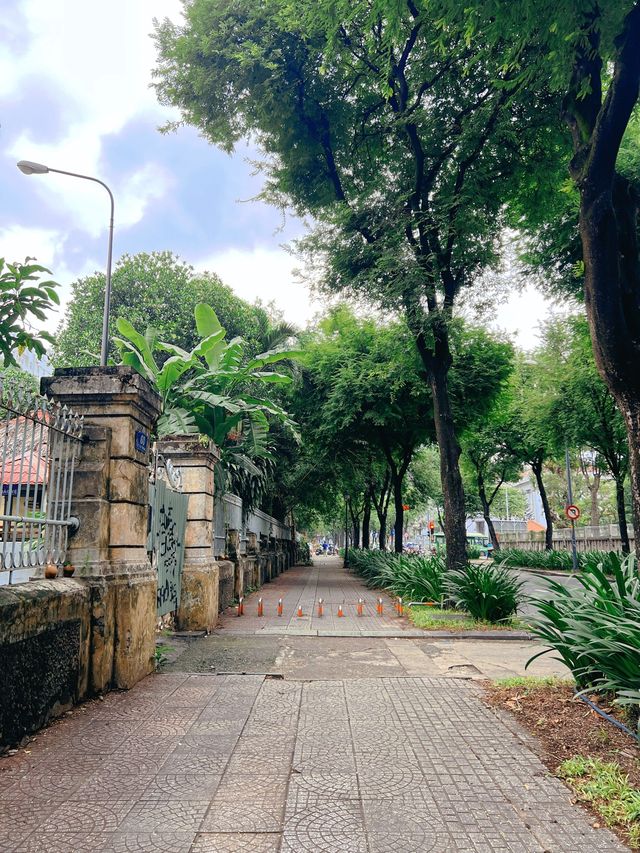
point(39, 446)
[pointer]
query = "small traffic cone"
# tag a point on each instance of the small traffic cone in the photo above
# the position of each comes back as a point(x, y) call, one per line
point(260, 608)
point(340, 613)
point(241, 606)
point(400, 607)
point(279, 607)
point(379, 607)
point(320, 607)
point(360, 606)
point(299, 610)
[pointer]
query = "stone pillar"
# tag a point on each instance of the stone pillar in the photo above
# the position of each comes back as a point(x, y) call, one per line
point(111, 500)
point(199, 598)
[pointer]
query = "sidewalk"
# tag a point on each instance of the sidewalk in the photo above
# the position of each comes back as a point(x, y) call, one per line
point(303, 587)
point(359, 745)
point(206, 764)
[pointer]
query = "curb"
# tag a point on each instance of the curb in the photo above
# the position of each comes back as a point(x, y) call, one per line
point(546, 573)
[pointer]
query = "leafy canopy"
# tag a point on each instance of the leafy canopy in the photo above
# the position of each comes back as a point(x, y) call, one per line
point(154, 289)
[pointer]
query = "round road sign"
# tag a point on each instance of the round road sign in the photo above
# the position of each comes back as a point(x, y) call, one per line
point(572, 512)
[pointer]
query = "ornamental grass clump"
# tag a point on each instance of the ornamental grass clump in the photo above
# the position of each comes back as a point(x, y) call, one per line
point(490, 593)
point(411, 577)
point(594, 628)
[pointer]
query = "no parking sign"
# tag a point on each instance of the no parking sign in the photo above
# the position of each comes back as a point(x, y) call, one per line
point(572, 512)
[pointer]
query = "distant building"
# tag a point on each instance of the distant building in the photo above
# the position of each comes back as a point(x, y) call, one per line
point(38, 366)
point(528, 488)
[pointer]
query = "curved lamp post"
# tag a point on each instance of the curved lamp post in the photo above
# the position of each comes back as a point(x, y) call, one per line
point(27, 167)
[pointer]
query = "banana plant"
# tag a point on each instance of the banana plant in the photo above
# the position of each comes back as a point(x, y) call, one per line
point(212, 390)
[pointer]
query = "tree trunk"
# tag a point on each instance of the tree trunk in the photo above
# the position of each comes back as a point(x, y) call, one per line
point(366, 521)
point(356, 533)
point(486, 512)
point(608, 221)
point(536, 467)
point(398, 526)
point(594, 489)
point(382, 535)
point(622, 515)
point(437, 361)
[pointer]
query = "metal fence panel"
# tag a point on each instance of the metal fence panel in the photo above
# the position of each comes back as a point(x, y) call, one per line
point(39, 447)
point(168, 527)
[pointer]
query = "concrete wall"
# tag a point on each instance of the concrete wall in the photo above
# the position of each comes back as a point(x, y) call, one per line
point(45, 629)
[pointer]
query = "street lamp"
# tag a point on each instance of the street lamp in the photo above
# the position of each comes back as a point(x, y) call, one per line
point(346, 530)
point(27, 167)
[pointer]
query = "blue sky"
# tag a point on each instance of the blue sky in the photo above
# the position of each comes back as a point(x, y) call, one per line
point(74, 89)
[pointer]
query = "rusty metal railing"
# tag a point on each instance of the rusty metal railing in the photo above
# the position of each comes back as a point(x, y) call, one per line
point(39, 447)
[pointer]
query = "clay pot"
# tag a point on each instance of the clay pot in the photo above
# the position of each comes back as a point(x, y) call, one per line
point(68, 570)
point(50, 571)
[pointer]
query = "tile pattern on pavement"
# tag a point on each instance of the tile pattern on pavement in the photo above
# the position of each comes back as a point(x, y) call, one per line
point(302, 587)
point(215, 764)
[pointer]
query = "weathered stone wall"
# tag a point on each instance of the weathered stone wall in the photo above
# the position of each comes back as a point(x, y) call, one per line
point(44, 653)
point(227, 577)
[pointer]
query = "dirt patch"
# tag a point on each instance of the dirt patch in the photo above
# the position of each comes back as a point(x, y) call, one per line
point(565, 727)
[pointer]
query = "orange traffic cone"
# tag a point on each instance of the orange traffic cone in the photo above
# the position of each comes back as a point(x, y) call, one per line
point(260, 608)
point(320, 607)
point(400, 607)
point(340, 613)
point(299, 611)
point(241, 606)
point(279, 607)
point(360, 606)
point(379, 607)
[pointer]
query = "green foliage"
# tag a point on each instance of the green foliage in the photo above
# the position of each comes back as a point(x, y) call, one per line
point(23, 297)
point(211, 389)
point(411, 577)
point(595, 628)
point(530, 683)
point(156, 290)
point(17, 381)
point(606, 788)
point(474, 552)
point(488, 592)
point(608, 561)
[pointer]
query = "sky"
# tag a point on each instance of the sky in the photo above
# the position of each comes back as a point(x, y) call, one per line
point(75, 95)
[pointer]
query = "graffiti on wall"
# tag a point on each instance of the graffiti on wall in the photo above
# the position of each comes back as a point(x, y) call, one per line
point(168, 525)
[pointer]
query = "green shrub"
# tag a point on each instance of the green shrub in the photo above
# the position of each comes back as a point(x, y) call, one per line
point(560, 560)
point(474, 552)
point(411, 577)
point(489, 592)
point(594, 628)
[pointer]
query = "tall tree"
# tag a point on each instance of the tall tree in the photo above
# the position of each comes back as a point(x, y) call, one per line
point(159, 290)
point(529, 432)
point(377, 132)
point(588, 52)
point(585, 414)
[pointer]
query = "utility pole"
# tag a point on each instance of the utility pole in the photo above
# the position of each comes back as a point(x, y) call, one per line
point(570, 502)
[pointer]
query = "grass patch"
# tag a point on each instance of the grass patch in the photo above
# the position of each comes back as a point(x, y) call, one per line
point(607, 790)
point(435, 619)
point(533, 682)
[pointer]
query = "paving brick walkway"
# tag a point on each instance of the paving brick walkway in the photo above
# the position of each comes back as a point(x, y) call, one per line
point(206, 764)
point(302, 588)
point(188, 763)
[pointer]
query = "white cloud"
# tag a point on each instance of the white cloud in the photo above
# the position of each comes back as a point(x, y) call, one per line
point(523, 313)
point(265, 274)
point(46, 246)
point(98, 58)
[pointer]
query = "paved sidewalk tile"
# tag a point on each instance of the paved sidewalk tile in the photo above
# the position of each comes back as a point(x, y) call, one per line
point(224, 764)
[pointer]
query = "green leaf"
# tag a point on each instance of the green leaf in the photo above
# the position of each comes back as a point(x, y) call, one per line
point(207, 322)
